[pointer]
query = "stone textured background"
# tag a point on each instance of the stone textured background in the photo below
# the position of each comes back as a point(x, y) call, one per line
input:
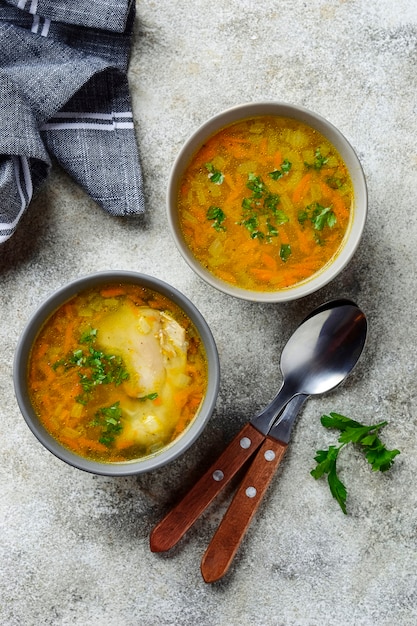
point(74, 547)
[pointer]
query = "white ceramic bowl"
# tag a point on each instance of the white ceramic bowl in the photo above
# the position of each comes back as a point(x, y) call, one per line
point(168, 453)
point(359, 209)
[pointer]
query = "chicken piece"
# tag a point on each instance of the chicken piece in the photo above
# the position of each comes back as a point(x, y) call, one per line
point(153, 347)
point(150, 342)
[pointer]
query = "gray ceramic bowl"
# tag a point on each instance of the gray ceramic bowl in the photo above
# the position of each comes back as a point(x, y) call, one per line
point(313, 120)
point(167, 454)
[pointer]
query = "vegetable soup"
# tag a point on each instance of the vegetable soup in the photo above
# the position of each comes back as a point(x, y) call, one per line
point(265, 203)
point(117, 373)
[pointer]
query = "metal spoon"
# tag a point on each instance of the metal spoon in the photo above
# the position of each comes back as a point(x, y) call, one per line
point(318, 356)
point(283, 427)
point(228, 537)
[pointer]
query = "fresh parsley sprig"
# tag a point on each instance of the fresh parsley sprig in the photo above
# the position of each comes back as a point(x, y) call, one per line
point(367, 437)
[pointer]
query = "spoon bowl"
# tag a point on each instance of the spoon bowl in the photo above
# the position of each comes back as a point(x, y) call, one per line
point(318, 356)
point(324, 350)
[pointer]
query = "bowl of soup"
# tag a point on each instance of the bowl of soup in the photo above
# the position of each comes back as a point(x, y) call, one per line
point(267, 201)
point(116, 373)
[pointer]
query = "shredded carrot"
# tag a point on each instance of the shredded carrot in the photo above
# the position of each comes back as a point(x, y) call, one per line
point(263, 275)
point(277, 159)
point(68, 338)
point(230, 139)
point(112, 292)
point(337, 202)
point(181, 397)
point(263, 147)
point(185, 188)
point(284, 236)
point(227, 276)
point(206, 154)
point(302, 187)
point(269, 261)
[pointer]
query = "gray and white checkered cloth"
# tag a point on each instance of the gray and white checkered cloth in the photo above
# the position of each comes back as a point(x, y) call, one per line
point(64, 93)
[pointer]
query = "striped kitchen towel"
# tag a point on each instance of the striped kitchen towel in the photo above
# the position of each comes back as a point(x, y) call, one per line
point(64, 94)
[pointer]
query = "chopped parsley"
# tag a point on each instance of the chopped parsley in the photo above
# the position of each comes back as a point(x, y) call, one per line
point(109, 420)
point(285, 252)
point(323, 216)
point(260, 209)
point(252, 224)
point(271, 229)
point(215, 175)
point(149, 396)
point(95, 366)
point(319, 160)
point(284, 169)
point(334, 182)
point(271, 201)
point(318, 215)
point(256, 185)
point(216, 214)
point(281, 217)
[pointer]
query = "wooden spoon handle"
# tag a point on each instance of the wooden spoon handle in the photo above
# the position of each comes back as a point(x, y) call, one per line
point(176, 523)
point(225, 543)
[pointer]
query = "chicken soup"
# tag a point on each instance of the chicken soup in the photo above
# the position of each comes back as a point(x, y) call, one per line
point(117, 373)
point(265, 203)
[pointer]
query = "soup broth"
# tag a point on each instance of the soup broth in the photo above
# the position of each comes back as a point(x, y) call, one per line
point(265, 203)
point(117, 373)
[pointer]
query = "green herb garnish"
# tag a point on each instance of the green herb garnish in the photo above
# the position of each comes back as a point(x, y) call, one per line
point(271, 229)
point(215, 175)
point(334, 182)
point(318, 215)
point(95, 367)
point(149, 396)
point(285, 252)
point(89, 336)
point(284, 169)
point(271, 201)
point(259, 208)
point(281, 217)
point(216, 214)
point(377, 455)
point(252, 224)
point(256, 185)
point(108, 419)
point(319, 161)
point(323, 216)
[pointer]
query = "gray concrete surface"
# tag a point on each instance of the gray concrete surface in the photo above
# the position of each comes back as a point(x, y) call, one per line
point(74, 547)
